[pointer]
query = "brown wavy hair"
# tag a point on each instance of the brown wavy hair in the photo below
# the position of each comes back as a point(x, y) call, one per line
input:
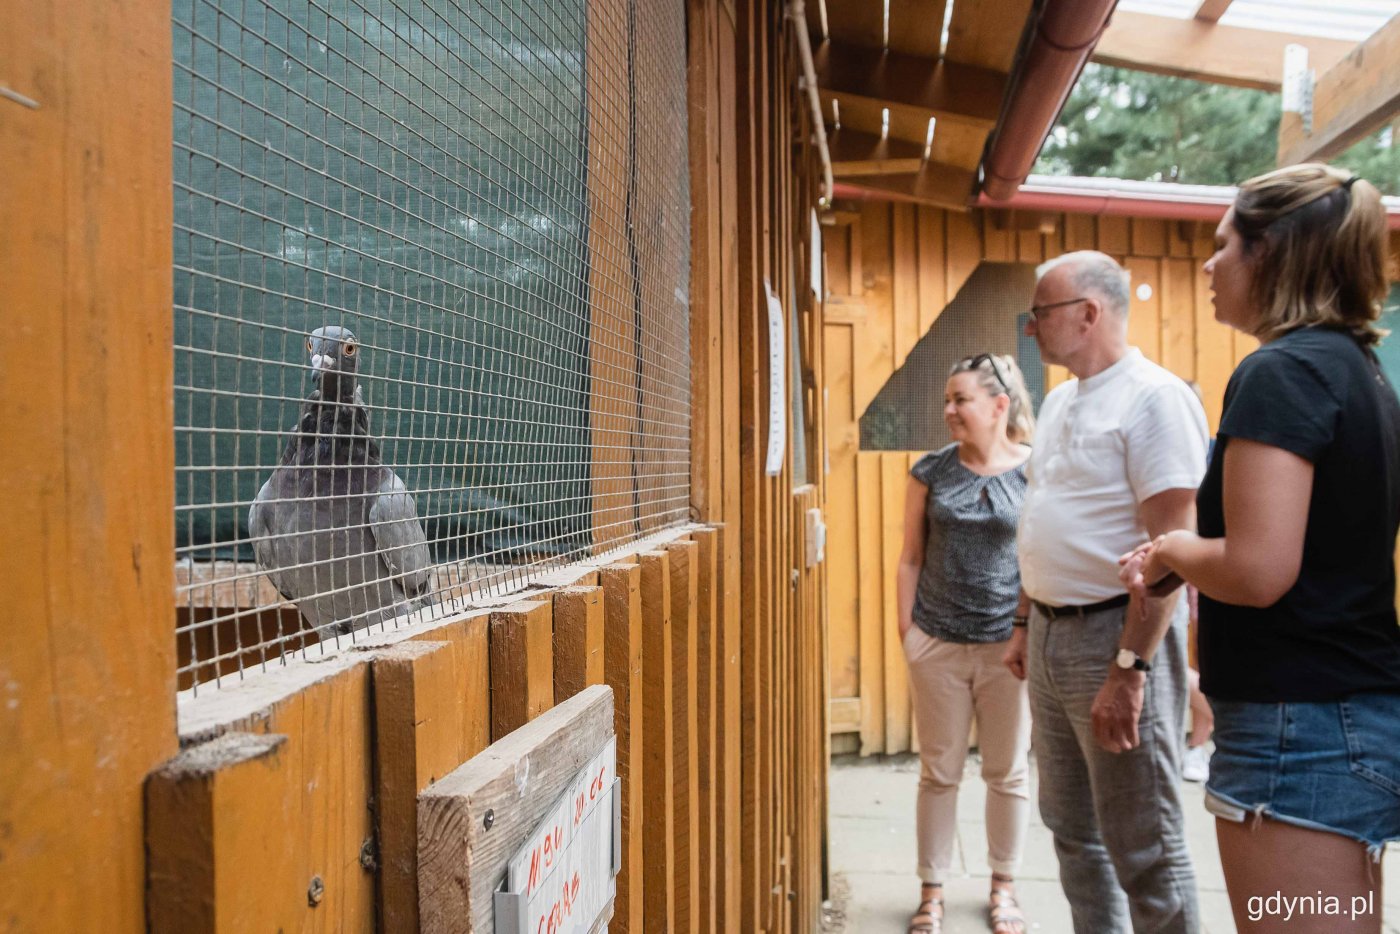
point(1315, 238)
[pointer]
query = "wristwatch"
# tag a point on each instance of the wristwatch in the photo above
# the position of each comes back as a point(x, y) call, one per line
point(1127, 658)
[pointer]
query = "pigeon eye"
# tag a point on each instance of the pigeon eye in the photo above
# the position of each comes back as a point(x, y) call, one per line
point(349, 350)
point(308, 343)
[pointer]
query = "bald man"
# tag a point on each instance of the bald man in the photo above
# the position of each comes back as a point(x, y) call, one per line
point(1117, 456)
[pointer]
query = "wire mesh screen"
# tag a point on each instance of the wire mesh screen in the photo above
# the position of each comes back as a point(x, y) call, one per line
point(431, 276)
point(988, 315)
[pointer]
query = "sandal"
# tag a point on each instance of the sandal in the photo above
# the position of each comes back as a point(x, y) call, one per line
point(928, 919)
point(1005, 913)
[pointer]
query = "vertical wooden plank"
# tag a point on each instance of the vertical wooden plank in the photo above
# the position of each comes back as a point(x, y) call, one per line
point(1203, 241)
point(843, 435)
point(729, 888)
point(87, 423)
point(522, 667)
point(431, 715)
point(578, 640)
point(964, 249)
point(613, 343)
point(1055, 375)
point(1080, 233)
point(1214, 350)
point(1180, 235)
point(998, 235)
point(836, 242)
point(1145, 314)
point(658, 806)
point(893, 484)
point(1179, 318)
point(932, 274)
point(706, 266)
point(320, 793)
point(904, 282)
point(875, 343)
point(1149, 236)
point(622, 666)
point(685, 670)
point(706, 704)
point(1113, 237)
point(1030, 246)
point(869, 552)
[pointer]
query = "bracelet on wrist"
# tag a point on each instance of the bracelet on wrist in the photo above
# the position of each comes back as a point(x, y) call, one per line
point(1020, 622)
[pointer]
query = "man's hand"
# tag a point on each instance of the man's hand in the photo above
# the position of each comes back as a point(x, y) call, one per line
point(1116, 709)
point(1014, 658)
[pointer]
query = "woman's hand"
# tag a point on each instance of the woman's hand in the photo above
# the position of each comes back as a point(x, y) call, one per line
point(1145, 574)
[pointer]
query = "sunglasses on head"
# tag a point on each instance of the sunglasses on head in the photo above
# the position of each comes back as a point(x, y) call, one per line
point(974, 363)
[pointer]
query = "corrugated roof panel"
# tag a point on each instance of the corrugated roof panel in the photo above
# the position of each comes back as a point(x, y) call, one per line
point(1352, 20)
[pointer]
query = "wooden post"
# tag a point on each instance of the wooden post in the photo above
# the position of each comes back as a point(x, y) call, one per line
point(685, 651)
point(87, 695)
point(707, 709)
point(430, 711)
point(622, 664)
point(578, 640)
point(522, 676)
point(658, 811)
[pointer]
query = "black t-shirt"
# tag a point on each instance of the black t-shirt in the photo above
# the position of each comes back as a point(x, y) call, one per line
point(1319, 394)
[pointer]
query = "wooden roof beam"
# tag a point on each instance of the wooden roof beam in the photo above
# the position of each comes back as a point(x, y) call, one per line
point(1210, 11)
point(855, 153)
point(926, 87)
point(1190, 48)
point(1351, 100)
point(941, 186)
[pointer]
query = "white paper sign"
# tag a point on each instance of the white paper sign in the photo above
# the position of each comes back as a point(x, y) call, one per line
point(777, 385)
point(565, 870)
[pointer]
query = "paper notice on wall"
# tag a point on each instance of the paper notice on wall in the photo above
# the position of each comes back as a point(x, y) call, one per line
point(815, 249)
point(777, 384)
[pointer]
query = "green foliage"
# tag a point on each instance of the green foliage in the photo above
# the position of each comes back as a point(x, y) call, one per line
point(1120, 123)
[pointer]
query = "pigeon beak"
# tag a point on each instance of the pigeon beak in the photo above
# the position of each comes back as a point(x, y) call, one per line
point(321, 362)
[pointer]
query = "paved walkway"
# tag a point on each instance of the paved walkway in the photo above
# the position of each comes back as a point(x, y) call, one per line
point(874, 889)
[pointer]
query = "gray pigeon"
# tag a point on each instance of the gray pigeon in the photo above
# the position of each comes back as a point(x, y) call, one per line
point(334, 529)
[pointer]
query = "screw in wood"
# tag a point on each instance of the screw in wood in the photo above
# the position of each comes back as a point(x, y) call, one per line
point(315, 891)
point(489, 818)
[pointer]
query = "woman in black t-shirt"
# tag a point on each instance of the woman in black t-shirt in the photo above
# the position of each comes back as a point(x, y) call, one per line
point(1299, 647)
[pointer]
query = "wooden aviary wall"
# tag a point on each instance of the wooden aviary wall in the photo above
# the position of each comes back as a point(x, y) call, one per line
point(892, 269)
point(288, 800)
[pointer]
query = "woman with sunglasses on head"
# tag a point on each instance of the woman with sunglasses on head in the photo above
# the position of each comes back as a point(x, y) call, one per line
point(958, 587)
point(1294, 561)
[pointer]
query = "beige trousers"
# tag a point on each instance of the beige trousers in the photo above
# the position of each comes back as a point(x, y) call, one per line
point(951, 683)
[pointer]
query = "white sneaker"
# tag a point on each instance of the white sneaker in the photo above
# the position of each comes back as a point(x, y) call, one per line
point(1195, 765)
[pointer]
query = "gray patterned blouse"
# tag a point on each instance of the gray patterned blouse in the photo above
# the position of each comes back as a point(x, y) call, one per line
point(968, 586)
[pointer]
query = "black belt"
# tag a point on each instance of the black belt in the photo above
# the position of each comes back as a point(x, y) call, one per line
point(1055, 612)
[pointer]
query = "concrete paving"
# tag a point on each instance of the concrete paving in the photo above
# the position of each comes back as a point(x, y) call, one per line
point(874, 889)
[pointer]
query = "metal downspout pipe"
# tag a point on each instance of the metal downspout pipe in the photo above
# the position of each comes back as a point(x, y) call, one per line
point(1065, 35)
point(797, 14)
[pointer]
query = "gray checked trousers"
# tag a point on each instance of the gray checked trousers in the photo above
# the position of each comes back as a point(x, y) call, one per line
point(1116, 817)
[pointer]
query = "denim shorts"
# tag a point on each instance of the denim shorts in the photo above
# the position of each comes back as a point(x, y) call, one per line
point(1331, 766)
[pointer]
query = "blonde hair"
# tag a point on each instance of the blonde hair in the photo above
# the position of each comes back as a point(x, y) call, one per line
point(1315, 240)
point(1020, 419)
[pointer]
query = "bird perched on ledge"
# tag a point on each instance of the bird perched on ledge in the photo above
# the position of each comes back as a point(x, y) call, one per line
point(334, 529)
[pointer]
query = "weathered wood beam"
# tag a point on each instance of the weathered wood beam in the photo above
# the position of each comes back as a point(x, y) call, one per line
point(929, 88)
point(1190, 48)
point(1210, 11)
point(857, 153)
point(942, 186)
point(1352, 99)
point(954, 143)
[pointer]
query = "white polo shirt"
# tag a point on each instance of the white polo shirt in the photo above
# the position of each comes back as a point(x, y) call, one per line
point(1102, 446)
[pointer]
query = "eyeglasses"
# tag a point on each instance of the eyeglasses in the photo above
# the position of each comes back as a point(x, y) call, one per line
point(1038, 311)
point(973, 363)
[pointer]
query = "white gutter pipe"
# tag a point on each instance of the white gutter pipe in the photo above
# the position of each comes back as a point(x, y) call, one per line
point(797, 13)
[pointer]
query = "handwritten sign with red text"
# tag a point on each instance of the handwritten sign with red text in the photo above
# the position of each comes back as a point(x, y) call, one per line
point(563, 876)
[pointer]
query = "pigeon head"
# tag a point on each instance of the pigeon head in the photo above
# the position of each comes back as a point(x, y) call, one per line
point(335, 359)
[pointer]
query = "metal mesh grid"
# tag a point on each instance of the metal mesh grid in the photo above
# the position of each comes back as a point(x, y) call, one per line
point(988, 315)
point(492, 198)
